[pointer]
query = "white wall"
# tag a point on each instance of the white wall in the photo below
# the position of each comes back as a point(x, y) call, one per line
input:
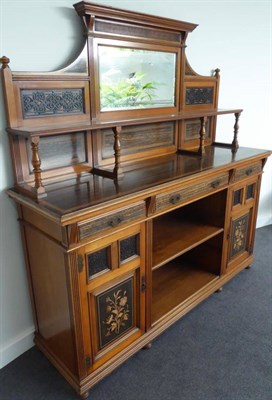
point(45, 35)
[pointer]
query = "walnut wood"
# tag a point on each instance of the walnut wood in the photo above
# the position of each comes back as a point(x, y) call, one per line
point(36, 163)
point(235, 144)
point(173, 284)
point(173, 208)
point(117, 151)
point(58, 128)
point(202, 136)
point(168, 243)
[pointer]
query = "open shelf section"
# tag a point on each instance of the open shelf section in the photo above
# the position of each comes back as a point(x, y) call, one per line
point(185, 228)
point(174, 285)
point(173, 237)
point(184, 277)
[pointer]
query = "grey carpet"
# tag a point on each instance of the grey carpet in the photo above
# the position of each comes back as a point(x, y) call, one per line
point(219, 351)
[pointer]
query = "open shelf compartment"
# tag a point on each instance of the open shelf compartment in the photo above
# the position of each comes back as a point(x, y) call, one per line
point(181, 230)
point(174, 284)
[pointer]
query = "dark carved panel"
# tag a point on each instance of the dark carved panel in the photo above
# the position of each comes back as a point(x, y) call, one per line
point(129, 247)
point(98, 261)
point(136, 138)
point(239, 235)
point(199, 95)
point(237, 197)
point(135, 31)
point(115, 312)
point(43, 103)
point(192, 129)
point(250, 191)
point(60, 150)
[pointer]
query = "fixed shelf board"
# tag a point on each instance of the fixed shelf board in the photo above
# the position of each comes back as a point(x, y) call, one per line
point(174, 284)
point(173, 236)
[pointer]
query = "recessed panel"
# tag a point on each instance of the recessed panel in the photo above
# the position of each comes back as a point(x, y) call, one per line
point(239, 234)
point(98, 262)
point(250, 191)
point(129, 247)
point(60, 150)
point(50, 102)
point(192, 129)
point(115, 312)
point(199, 95)
point(134, 139)
point(237, 197)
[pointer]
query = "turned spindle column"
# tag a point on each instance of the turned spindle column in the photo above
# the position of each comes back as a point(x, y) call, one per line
point(117, 151)
point(202, 135)
point(235, 145)
point(36, 163)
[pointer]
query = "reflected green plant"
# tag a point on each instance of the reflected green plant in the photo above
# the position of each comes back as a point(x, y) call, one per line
point(128, 93)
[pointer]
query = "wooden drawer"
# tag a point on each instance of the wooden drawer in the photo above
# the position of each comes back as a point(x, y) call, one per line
point(170, 199)
point(111, 221)
point(245, 172)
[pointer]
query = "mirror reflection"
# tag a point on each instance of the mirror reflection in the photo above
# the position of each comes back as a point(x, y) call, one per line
point(132, 78)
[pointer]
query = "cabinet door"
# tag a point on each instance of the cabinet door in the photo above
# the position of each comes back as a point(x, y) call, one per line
point(112, 285)
point(243, 199)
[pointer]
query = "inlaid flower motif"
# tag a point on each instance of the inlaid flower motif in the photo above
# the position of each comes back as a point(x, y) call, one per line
point(239, 235)
point(118, 311)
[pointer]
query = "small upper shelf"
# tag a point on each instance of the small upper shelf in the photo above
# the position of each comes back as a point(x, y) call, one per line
point(56, 129)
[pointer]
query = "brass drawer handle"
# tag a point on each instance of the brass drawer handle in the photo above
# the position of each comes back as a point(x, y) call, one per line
point(175, 198)
point(115, 221)
point(215, 184)
point(249, 171)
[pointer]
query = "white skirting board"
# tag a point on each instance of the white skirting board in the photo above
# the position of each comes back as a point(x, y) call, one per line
point(16, 346)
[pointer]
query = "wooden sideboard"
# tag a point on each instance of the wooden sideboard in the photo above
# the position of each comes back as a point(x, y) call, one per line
point(131, 212)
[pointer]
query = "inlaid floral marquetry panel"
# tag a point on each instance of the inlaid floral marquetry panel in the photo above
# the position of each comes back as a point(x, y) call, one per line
point(115, 312)
point(239, 235)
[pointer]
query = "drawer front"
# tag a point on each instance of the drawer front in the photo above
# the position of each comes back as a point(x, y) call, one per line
point(171, 199)
point(112, 221)
point(248, 171)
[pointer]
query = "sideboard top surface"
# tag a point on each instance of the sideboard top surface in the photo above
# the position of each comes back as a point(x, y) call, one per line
point(72, 196)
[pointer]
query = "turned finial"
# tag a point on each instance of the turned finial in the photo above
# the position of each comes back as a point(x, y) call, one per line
point(217, 72)
point(5, 61)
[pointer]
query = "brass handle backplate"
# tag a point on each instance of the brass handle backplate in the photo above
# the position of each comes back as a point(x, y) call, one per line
point(215, 184)
point(115, 221)
point(175, 198)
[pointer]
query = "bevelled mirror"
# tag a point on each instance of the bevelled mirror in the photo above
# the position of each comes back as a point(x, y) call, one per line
point(131, 78)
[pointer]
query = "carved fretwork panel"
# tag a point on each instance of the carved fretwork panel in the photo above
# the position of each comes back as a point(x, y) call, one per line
point(36, 103)
point(199, 95)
